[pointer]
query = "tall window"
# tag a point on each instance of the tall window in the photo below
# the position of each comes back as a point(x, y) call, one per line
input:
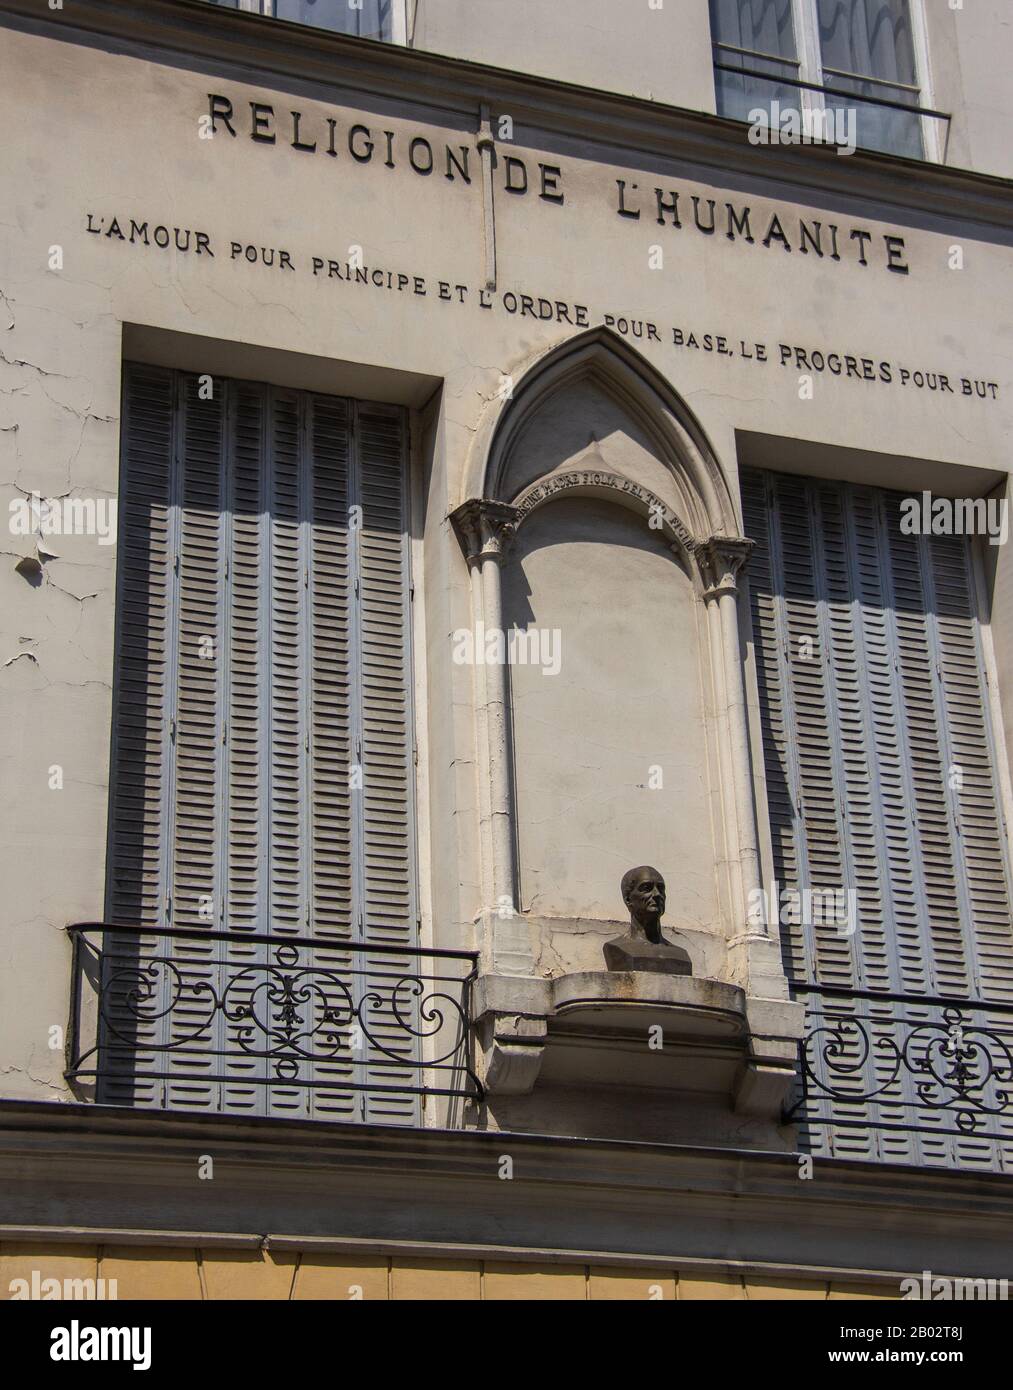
point(823, 55)
point(369, 19)
point(881, 782)
point(263, 765)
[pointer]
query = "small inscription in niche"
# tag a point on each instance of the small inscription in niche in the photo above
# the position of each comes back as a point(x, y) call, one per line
point(584, 479)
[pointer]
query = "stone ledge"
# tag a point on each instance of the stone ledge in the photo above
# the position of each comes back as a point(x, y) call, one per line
point(646, 1032)
point(690, 1007)
point(103, 1169)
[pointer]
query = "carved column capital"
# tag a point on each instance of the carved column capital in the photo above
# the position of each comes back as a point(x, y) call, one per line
point(720, 559)
point(485, 528)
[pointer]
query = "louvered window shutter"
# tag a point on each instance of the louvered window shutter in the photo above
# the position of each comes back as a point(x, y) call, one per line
point(880, 776)
point(263, 775)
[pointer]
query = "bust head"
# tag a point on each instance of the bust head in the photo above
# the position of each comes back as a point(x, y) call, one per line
point(643, 891)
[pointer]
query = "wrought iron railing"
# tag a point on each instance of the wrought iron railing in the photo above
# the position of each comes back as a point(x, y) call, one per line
point(920, 1064)
point(163, 1009)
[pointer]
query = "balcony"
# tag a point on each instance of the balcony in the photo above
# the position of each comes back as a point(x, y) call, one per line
point(269, 1024)
point(301, 1027)
point(906, 1078)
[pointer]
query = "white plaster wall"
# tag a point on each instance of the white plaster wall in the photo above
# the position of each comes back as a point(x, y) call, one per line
point(970, 52)
point(660, 52)
point(583, 427)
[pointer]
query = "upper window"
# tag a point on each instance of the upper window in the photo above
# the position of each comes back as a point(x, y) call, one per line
point(854, 56)
point(369, 19)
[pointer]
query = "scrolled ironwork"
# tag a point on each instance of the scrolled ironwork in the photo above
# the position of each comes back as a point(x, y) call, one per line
point(290, 1009)
point(957, 1063)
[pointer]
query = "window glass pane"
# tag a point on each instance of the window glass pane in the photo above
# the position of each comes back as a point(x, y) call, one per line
point(868, 37)
point(872, 38)
point(370, 19)
point(762, 25)
point(738, 96)
point(880, 127)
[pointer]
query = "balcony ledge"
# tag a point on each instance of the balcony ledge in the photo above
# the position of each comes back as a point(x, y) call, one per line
point(648, 1033)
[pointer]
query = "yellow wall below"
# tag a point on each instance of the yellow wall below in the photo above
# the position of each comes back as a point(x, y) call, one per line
point(167, 1272)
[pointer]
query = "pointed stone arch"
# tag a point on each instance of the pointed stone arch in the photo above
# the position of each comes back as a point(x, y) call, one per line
point(706, 506)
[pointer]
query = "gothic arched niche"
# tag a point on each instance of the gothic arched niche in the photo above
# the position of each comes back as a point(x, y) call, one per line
point(610, 748)
point(597, 520)
point(569, 401)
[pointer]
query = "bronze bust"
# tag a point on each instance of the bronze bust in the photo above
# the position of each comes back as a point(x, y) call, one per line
point(644, 947)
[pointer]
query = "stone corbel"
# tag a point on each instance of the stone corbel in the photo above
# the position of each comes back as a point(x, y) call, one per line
point(721, 559)
point(768, 1075)
point(512, 1014)
point(512, 1048)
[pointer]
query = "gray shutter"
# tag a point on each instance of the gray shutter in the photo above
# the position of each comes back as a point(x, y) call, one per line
point(859, 741)
point(191, 823)
point(141, 790)
point(258, 636)
point(388, 878)
point(336, 823)
point(244, 816)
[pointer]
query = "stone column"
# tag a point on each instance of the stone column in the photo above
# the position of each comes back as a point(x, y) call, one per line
point(486, 530)
point(753, 953)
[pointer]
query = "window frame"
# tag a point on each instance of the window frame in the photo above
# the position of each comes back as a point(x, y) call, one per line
point(809, 68)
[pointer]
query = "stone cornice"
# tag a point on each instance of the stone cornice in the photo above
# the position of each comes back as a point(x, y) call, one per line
point(108, 1169)
point(581, 121)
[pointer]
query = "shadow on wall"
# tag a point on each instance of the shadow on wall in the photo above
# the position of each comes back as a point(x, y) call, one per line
point(607, 721)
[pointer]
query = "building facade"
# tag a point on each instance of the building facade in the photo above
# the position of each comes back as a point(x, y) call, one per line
point(456, 453)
